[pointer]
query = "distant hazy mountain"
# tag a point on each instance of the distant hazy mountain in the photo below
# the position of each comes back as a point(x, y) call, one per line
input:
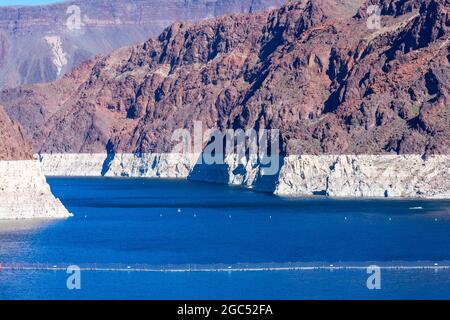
point(41, 43)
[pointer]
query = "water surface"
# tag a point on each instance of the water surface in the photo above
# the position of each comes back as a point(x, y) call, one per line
point(182, 223)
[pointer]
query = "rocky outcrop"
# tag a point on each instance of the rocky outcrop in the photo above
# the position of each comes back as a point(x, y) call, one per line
point(409, 176)
point(168, 165)
point(41, 43)
point(118, 165)
point(73, 165)
point(312, 70)
point(380, 176)
point(24, 192)
point(13, 143)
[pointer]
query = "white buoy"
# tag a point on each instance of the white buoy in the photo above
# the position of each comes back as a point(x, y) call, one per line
point(179, 210)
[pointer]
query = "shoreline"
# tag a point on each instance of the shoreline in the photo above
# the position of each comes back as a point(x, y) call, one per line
point(331, 176)
point(25, 193)
point(287, 197)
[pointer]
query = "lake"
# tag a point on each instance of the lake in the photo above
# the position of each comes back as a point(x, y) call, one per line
point(263, 246)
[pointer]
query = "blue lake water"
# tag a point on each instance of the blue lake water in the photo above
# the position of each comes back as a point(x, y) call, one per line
point(188, 225)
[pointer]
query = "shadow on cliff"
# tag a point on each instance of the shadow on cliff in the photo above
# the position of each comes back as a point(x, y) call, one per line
point(110, 154)
point(237, 175)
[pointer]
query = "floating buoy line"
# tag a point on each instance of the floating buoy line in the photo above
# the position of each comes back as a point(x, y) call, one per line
point(218, 268)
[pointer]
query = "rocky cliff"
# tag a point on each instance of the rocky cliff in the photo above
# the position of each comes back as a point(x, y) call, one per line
point(24, 192)
point(315, 70)
point(42, 43)
point(13, 144)
point(405, 176)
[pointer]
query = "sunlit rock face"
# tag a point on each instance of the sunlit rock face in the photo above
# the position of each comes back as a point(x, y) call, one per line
point(165, 165)
point(378, 176)
point(407, 176)
point(24, 192)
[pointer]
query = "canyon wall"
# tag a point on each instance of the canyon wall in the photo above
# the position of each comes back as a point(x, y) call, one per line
point(24, 192)
point(118, 165)
point(379, 176)
point(312, 70)
point(398, 176)
point(357, 108)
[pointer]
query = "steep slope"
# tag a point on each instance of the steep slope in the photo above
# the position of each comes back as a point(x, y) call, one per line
point(318, 74)
point(42, 43)
point(13, 145)
point(24, 192)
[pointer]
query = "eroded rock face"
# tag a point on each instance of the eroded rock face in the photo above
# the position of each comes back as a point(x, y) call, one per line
point(407, 176)
point(313, 70)
point(41, 43)
point(175, 166)
point(379, 176)
point(13, 145)
point(24, 192)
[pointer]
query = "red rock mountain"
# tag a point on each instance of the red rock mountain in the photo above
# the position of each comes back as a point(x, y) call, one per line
point(315, 70)
point(13, 144)
point(42, 43)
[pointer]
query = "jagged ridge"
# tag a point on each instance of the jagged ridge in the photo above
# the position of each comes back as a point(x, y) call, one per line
point(311, 69)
